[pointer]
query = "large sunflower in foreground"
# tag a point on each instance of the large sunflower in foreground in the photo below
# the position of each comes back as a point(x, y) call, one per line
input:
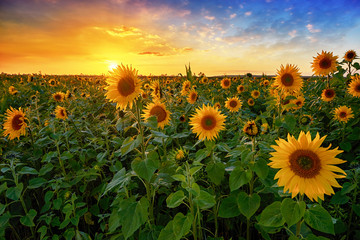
point(15, 124)
point(207, 122)
point(343, 114)
point(288, 78)
point(159, 110)
point(324, 63)
point(305, 167)
point(350, 55)
point(60, 113)
point(124, 86)
point(233, 104)
point(354, 86)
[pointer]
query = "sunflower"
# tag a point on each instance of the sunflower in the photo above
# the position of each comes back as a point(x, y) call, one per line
point(354, 86)
point(156, 90)
point(328, 94)
point(265, 83)
point(182, 118)
point(207, 122)
point(305, 119)
point(250, 102)
point(255, 94)
point(185, 88)
point(204, 80)
point(144, 95)
point(264, 128)
point(305, 167)
point(350, 55)
point(193, 96)
point(288, 78)
point(15, 124)
point(12, 90)
point(59, 96)
point(299, 102)
point(233, 104)
point(159, 110)
point(60, 113)
point(217, 105)
point(343, 114)
point(52, 82)
point(226, 83)
point(324, 63)
point(68, 94)
point(146, 86)
point(250, 128)
point(124, 86)
point(240, 88)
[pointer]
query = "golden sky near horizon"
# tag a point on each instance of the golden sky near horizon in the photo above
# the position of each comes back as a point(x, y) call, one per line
point(160, 37)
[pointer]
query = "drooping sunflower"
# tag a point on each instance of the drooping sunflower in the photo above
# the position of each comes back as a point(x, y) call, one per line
point(15, 124)
point(226, 83)
point(305, 167)
point(185, 88)
point(207, 122)
point(193, 96)
point(343, 114)
point(159, 110)
point(299, 102)
point(324, 63)
point(59, 96)
point(156, 89)
point(124, 86)
point(328, 94)
point(250, 128)
point(354, 86)
point(61, 113)
point(350, 55)
point(233, 104)
point(12, 90)
point(288, 78)
point(240, 88)
point(251, 102)
point(255, 94)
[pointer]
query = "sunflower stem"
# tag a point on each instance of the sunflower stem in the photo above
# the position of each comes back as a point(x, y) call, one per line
point(138, 118)
point(328, 81)
point(352, 211)
point(298, 224)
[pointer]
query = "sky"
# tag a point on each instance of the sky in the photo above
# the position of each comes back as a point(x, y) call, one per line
point(162, 36)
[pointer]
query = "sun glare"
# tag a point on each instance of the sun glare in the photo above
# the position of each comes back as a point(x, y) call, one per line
point(112, 65)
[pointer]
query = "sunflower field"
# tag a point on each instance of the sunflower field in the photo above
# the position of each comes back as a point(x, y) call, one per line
point(126, 156)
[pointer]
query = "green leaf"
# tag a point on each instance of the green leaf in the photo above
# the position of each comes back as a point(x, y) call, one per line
point(14, 193)
point(179, 177)
point(271, 216)
point(2, 208)
point(346, 146)
point(45, 169)
point(356, 65)
point(216, 172)
point(146, 168)
point(119, 181)
point(248, 205)
point(175, 199)
point(239, 177)
point(177, 228)
point(3, 187)
point(205, 200)
point(42, 230)
point(28, 170)
point(36, 182)
point(57, 203)
point(27, 220)
point(195, 169)
point(318, 218)
point(229, 207)
point(290, 121)
point(159, 134)
point(201, 154)
point(48, 196)
point(314, 237)
point(339, 198)
point(347, 188)
point(356, 208)
point(66, 155)
point(292, 211)
point(261, 168)
point(130, 144)
point(4, 219)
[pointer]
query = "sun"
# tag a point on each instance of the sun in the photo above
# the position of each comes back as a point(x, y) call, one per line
point(112, 66)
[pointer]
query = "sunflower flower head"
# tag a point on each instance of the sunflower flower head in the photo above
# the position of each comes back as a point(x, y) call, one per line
point(305, 167)
point(233, 104)
point(350, 55)
point(240, 88)
point(207, 122)
point(225, 83)
point(299, 102)
point(15, 124)
point(156, 92)
point(251, 102)
point(343, 114)
point(250, 128)
point(158, 110)
point(185, 88)
point(328, 95)
point(61, 113)
point(193, 96)
point(12, 90)
point(59, 96)
point(354, 86)
point(123, 86)
point(288, 78)
point(324, 64)
point(255, 94)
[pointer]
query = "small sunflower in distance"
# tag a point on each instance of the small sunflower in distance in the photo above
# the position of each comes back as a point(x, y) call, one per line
point(240, 88)
point(207, 122)
point(12, 90)
point(350, 55)
point(59, 96)
point(288, 78)
point(124, 86)
point(233, 104)
point(225, 83)
point(324, 63)
point(155, 89)
point(255, 94)
point(158, 110)
point(60, 113)
point(343, 114)
point(217, 105)
point(305, 167)
point(250, 128)
point(15, 124)
point(328, 95)
point(250, 102)
point(193, 96)
point(354, 86)
point(299, 102)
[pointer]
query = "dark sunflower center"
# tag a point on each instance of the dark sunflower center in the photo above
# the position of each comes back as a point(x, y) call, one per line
point(182, 118)
point(342, 114)
point(241, 88)
point(58, 97)
point(251, 129)
point(357, 88)
point(193, 96)
point(325, 63)
point(226, 83)
point(159, 112)
point(287, 79)
point(298, 103)
point(256, 93)
point(126, 86)
point(208, 122)
point(17, 122)
point(329, 93)
point(233, 104)
point(305, 163)
point(350, 55)
point(62, 113)
point(251, 102)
